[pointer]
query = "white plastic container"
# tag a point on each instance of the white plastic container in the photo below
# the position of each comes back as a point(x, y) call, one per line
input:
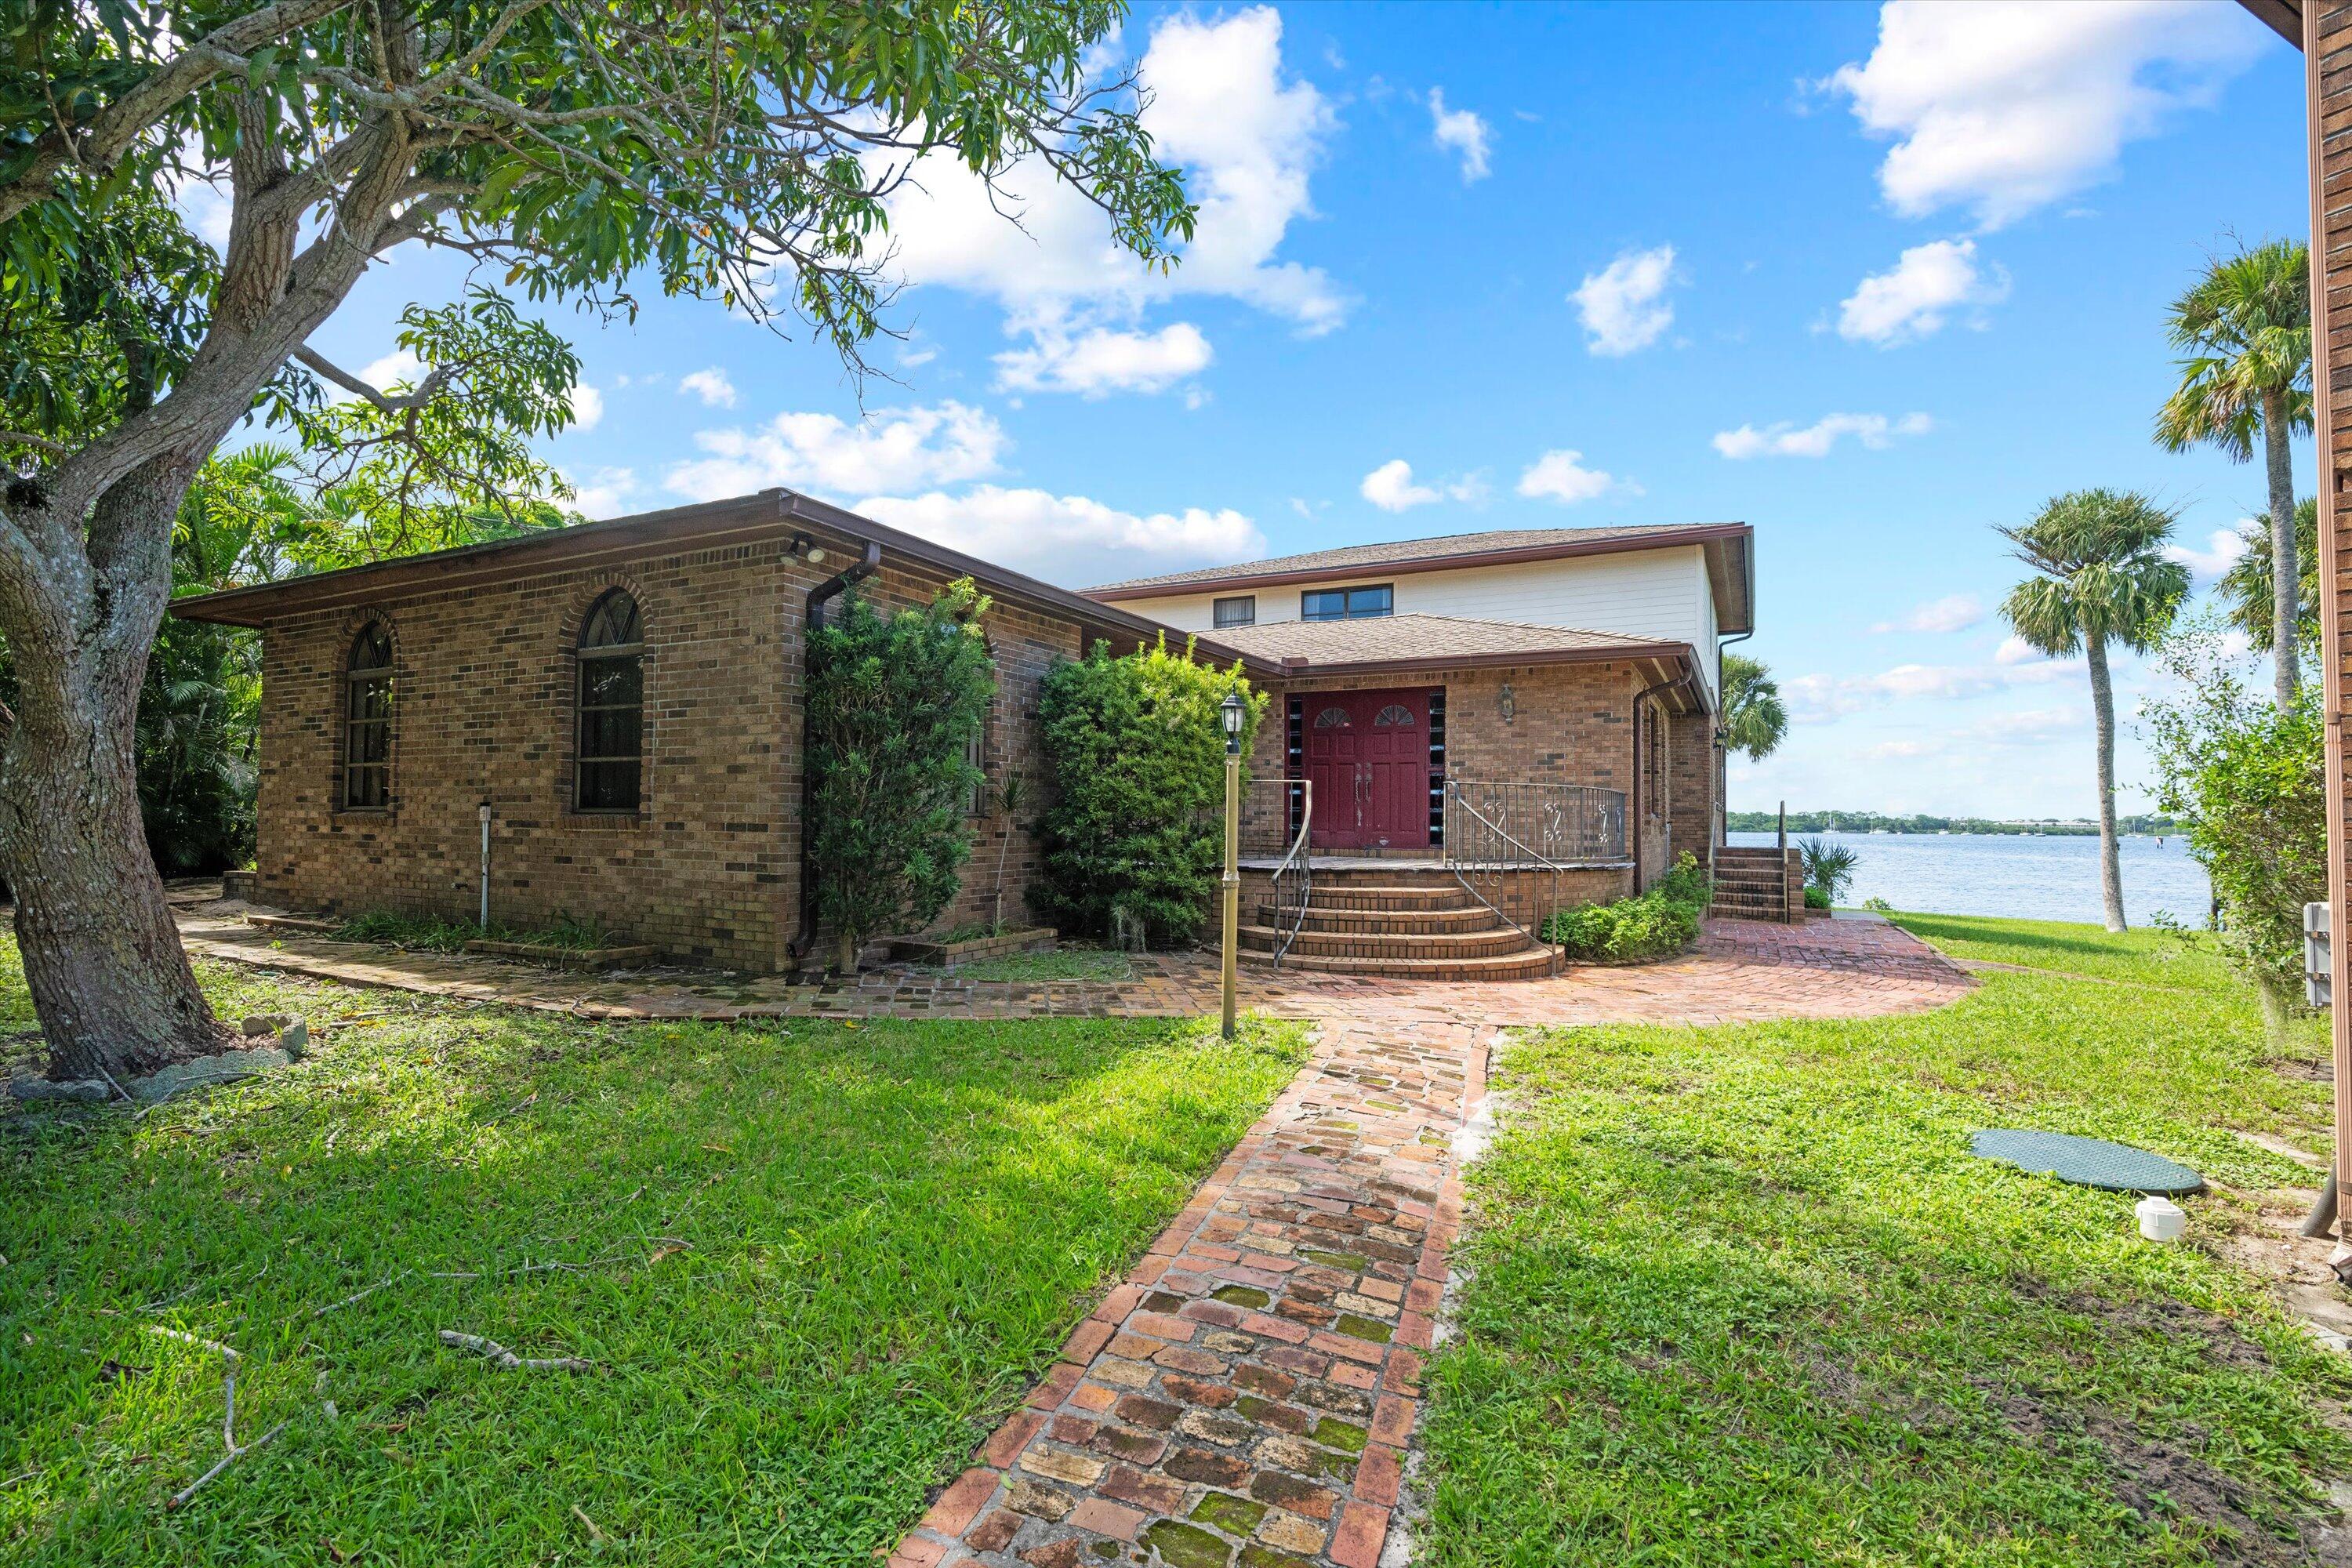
point(2161, 1219)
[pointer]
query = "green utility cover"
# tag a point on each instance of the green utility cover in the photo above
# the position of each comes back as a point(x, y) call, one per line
point(2086, 1162)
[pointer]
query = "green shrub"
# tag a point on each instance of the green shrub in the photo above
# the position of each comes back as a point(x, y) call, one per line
point(1657, 924)
point(1829, 867)
point(1131, 841)
point(893, 705)
point(2249, 786)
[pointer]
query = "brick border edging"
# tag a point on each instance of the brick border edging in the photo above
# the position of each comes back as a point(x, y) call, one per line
point(1367, 1516)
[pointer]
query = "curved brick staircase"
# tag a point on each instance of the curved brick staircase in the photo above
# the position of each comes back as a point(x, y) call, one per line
point(1405, 921)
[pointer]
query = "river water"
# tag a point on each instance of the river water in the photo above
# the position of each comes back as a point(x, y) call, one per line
point(2047, 878)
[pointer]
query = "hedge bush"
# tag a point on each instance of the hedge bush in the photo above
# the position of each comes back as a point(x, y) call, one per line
point(894, 701)
point(1131, 842)
point(1657, 924)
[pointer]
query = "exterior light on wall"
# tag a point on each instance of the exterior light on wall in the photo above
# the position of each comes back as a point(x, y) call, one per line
point(1232, 712)
point(1507, 704)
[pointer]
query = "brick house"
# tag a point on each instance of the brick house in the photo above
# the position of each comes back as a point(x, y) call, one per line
point(620, 701)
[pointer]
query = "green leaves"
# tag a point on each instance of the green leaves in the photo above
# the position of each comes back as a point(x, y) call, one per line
point(2248, 782)
point(894, 704)
point(1138, 757)
point(1755, 720)
point(2103, 573)
point(2245, 327)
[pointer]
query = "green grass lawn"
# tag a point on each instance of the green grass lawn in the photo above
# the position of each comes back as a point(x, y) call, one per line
point(813, 1263)
point(1740, 1295)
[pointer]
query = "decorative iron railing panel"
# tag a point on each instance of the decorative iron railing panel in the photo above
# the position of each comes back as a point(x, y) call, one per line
point(1538, 824)
point(1498, 832)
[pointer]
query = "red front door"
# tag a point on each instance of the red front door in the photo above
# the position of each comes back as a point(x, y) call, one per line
point(1368, 755)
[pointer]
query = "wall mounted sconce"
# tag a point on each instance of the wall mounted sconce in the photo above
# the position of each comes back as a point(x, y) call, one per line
point(1507, 704)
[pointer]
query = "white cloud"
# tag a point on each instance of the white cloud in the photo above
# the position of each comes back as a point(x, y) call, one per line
point(1953, 613)
point(1815, 440)
point(2015, 649)
point(1221, 105)
point(1070, 539)
point(1559, 475)
point(1623, 305)
point(1391, 488)
point(1462, 132)
point(2003, 108)
point(2223, 549)
point(398, 369)
point(1818, 697)
point(602, 492)
point(1097, 363)
point(587, 408)
point(890, 449)
point(712, 385)
point(1913, 301)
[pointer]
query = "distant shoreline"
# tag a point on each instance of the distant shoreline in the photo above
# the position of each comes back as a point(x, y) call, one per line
point(1864, 822)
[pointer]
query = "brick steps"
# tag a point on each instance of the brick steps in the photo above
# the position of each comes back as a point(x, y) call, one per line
point(1476, 917)
point(1750, 884)
point(1529, 964)
point(1492, 942)
point(1401, 923)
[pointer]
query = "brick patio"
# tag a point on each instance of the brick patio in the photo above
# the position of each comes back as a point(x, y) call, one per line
point(1741, 971)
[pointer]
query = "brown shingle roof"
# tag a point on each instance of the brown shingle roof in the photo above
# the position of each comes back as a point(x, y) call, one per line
point(1430, 640)
point(1354, 556)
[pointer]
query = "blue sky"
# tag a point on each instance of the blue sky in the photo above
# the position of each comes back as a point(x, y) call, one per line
point(1871, 280)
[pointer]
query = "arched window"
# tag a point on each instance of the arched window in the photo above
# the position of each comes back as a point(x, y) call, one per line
point(1395, 713)
point(367, 719)
point(609, 764)
point(1334, 717)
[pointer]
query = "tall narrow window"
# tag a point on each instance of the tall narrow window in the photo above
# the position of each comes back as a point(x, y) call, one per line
point(367, 720)
point(612, 707)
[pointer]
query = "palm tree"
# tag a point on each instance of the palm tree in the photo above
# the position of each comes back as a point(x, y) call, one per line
point(1754, 718)
point(2248, 591)
point(2246, 328)
point(2102, 577)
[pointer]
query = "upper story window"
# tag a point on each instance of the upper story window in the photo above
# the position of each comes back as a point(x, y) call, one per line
point(367, 719)
point(611, 717)
point(1239, 611)
point(1347, 603)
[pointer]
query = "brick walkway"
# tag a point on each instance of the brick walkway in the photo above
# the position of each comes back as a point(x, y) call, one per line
point(1248, 1393)
point(1742, 971)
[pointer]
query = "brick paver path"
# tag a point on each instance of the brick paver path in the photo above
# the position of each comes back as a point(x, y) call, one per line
point(1245, 1398)
point(1246, 1395)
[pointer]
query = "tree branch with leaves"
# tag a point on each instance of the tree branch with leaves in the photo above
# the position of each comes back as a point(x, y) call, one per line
point(735, 152)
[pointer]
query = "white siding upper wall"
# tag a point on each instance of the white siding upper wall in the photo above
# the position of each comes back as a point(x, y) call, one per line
point(1659, 593)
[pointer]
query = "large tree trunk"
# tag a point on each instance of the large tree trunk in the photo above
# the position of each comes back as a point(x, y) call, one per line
point(101, 956)
point(2103, 710)
point(2286, 576)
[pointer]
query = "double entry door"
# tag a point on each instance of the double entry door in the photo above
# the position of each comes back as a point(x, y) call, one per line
point(1368, 757)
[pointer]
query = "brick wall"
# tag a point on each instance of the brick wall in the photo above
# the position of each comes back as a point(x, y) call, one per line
point(708, 869)
point(483, 683)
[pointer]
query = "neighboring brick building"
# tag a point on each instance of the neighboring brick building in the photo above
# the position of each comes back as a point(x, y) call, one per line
point(624, 699)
